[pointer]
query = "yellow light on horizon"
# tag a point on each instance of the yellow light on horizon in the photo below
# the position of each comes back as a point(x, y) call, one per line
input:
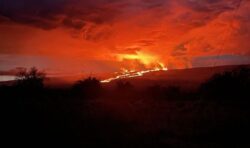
point(140, 56)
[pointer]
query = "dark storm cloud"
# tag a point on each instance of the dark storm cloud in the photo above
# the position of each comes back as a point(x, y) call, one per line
point(154, 3)
point(41, 14)
point(76, 24)
point(205, 11)
point(48, 14)
point(215, 6)
point(173, 30)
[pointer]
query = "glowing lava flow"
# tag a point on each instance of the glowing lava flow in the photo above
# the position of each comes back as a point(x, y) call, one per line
point(133, 73)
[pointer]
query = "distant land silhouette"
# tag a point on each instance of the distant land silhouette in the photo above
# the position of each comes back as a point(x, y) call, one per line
point(202, 107)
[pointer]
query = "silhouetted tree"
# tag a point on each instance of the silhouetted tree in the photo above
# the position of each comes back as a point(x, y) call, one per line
point(89, 87)
point(228, 85)
point(30, 79)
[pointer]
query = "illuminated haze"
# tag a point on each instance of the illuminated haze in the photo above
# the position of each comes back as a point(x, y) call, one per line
point(101, 36)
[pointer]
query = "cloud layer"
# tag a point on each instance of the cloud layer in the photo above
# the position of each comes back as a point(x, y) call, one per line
point(176, 32)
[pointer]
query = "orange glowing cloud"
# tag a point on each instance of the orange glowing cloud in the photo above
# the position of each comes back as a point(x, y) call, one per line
point(104, 36)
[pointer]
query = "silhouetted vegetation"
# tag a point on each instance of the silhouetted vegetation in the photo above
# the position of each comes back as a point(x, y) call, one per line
point(87, 115)
point(30, 79)
point(234, 85)
point(90, 87)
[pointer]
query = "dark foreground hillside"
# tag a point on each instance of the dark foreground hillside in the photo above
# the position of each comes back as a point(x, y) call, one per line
point(89, 115)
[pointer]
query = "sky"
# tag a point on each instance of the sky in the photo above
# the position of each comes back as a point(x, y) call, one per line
point(101, 36)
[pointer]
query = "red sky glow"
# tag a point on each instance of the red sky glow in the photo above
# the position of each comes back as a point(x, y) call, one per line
point(103, 36)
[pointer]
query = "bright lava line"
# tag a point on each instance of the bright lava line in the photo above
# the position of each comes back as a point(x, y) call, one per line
point(132, 74)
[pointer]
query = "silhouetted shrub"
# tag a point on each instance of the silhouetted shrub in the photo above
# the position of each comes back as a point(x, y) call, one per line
point(30, 79)
point(228, 85)
point(89, 87)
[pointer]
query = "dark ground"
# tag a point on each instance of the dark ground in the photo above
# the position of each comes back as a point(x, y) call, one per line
point(215, 115)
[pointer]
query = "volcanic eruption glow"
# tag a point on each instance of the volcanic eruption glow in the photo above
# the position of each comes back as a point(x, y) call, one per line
point(133, 73)
point(70, 37)
point(144, 58)
point(147, 60)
